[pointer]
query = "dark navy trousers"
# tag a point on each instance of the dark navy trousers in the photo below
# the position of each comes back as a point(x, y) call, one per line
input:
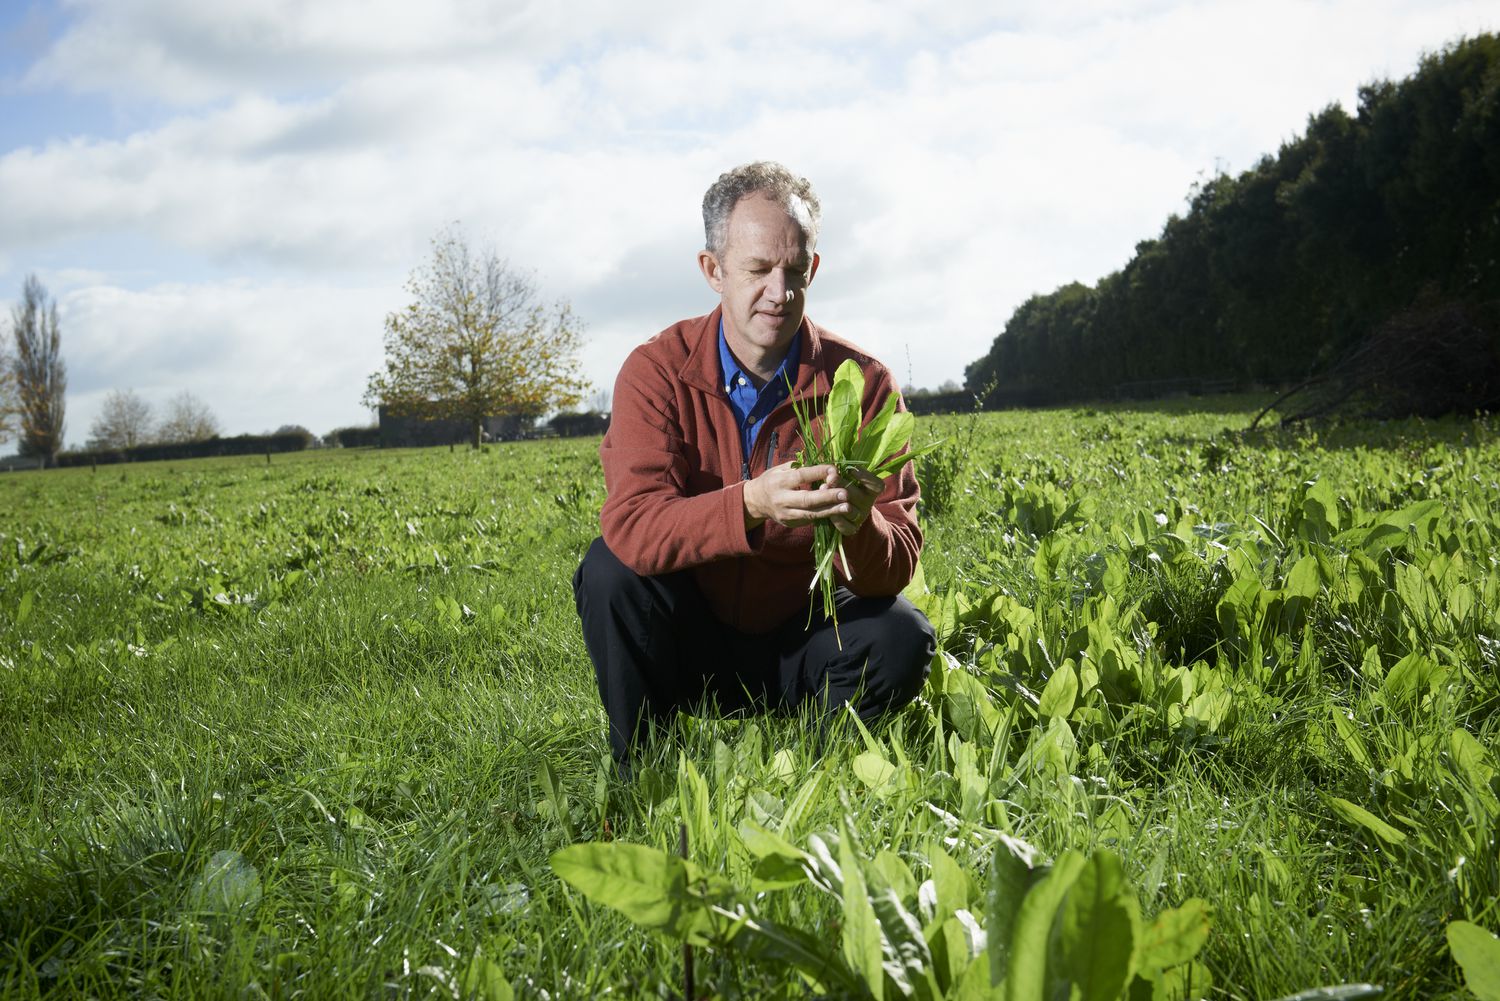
point(658, 649)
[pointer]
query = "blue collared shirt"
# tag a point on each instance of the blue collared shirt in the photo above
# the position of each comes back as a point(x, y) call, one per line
point(751, 405)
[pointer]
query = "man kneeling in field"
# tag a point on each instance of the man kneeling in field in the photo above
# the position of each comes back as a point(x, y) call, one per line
point(697, 595)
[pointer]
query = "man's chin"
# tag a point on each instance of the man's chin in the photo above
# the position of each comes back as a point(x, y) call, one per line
point(779, 330)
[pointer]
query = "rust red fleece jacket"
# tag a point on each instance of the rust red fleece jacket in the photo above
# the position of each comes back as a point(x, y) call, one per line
point(674, 473)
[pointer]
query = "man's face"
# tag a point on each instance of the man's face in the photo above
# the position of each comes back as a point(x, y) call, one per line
point(762, 279)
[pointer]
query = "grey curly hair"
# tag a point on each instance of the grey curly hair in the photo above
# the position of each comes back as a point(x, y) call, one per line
point(763, 177)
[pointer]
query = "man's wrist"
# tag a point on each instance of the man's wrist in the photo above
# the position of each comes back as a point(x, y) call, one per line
point(750, 500)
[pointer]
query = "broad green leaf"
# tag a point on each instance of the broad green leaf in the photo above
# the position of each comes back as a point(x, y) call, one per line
point(1319, 512)
point(895, 462)
point(887, 433)
point(483, 980)
point(881, 436)
point(1176, 936)
point(778, 863)
point(1477, 953)
point(1026, 967)
point(1097, 931)
point(873, 770)
point(1189, 982)
point(974, 983)
point(763, 843)
point(861, 944)
point(764, 808)
point(1411, 677)
point(1460, 601)
point(1470, 757)
point(647, 885)
point(1303, 579)
point(843, 412)
point(1417, 517)
point(1060, 692)
point(968, 705)
point(1360, 817)
point(952, 886)
point(1376, 540)
point(896, 874)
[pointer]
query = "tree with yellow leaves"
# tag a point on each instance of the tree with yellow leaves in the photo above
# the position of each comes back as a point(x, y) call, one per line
point(476, 342)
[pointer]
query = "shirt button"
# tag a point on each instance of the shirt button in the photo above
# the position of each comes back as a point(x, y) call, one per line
point(742, 380)
point(751, 419)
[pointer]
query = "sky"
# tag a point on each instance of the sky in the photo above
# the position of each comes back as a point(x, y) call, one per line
point(228, 198)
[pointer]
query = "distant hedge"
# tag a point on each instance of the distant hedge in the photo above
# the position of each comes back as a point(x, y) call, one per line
point(957, 402)
point(579, 425)
point(360, 437)
point(245, 444)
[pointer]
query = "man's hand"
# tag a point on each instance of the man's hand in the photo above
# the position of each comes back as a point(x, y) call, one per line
point(860, 492)
point(800, 496)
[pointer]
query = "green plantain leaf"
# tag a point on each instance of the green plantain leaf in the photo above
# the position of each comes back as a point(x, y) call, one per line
point(844, 403)
point(1098, 929)
point(1175, 937)
point(952, 885)
point(1061, 691)
point(1477, 953)
point(1360, 817)
point(861, 938)
point(778, 863)
point(885, 434)
point(647, 885)
point(1026, 969)
point(485, 981)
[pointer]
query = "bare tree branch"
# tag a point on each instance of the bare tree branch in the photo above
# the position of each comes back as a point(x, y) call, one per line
point(124, 421)
point(187, 419)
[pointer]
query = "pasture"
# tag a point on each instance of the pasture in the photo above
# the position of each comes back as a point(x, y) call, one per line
point(318, 728)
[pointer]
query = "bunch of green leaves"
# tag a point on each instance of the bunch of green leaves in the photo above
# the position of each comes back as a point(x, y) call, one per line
point(836, 438)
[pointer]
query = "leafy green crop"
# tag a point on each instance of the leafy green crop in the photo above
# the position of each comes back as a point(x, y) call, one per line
point(317, 728)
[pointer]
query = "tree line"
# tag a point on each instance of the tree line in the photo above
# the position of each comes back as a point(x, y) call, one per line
point(127, 421)
point(1365, 232)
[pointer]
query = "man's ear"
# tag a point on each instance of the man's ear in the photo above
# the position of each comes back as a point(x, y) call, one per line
point(713, 273)
point(813, 271)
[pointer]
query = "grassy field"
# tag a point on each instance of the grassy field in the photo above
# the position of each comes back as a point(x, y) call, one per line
point(317, 728)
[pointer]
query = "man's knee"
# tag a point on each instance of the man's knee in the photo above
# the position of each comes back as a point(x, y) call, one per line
point(601, 576)
point(901, 649)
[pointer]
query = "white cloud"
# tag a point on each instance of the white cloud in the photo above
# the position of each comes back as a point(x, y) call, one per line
point(260, 356)
point(966, 160)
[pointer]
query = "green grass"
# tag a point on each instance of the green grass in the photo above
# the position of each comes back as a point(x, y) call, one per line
point(362, 673)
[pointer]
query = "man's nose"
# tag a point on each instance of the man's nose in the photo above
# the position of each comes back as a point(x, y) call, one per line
point(776, 285)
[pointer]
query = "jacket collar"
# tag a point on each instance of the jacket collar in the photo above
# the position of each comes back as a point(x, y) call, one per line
point(701, 369)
